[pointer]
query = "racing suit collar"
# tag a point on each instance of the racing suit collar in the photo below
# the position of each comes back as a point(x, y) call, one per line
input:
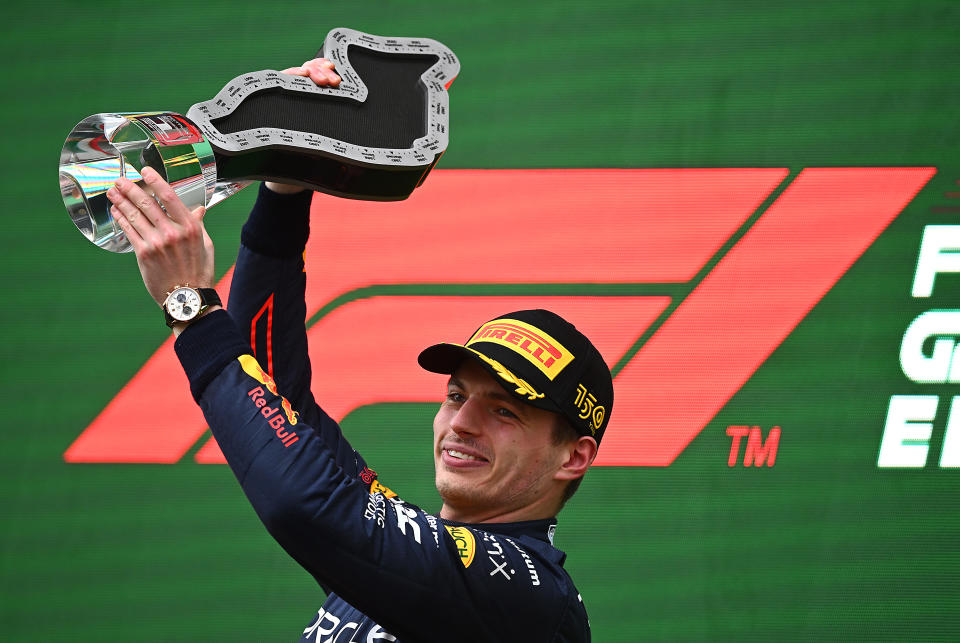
point(539, 530)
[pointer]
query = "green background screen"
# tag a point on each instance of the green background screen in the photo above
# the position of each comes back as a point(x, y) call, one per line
point(822, 544)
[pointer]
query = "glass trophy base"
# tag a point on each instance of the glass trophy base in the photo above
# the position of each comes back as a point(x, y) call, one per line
point(104, 147)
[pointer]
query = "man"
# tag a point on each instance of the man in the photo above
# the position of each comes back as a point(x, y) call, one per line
point(528, 399)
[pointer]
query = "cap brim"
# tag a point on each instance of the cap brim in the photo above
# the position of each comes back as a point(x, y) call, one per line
point(447, 358)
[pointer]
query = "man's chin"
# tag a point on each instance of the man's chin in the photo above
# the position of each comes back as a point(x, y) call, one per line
point(457, 493)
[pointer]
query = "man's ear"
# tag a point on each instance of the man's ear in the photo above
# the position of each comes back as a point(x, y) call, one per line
point(580, 456)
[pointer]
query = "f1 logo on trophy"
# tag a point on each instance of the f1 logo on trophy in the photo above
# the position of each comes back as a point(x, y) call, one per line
point(376, 136)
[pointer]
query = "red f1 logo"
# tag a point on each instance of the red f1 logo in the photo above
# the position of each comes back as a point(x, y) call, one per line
point(747, 276)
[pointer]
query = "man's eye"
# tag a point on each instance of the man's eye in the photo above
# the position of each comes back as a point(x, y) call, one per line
point(507, 413)
point(453, 396)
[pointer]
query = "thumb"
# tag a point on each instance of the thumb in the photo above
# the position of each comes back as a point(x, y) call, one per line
point(199, 213)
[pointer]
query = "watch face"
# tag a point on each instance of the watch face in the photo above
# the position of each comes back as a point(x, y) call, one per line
point(183, 304)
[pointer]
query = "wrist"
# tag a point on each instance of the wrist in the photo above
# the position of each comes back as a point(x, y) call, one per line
point(279, 224)
point(179, 327)
point(185, 303)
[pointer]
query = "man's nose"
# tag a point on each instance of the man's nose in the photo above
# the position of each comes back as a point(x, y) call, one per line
point(468, 418)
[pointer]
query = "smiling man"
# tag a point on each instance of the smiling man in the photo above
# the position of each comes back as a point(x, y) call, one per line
point(528, 400)
point(522, 418)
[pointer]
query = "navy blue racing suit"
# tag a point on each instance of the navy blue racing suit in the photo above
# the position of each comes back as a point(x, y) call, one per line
point(392, 572)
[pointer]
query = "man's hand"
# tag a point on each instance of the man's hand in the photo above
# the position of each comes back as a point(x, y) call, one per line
point(320, 71)
point(172, 246)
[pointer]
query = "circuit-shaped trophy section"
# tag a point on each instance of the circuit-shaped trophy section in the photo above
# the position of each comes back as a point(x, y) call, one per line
point(376, 136)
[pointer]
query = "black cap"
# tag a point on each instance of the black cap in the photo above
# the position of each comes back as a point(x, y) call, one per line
point(541, 359)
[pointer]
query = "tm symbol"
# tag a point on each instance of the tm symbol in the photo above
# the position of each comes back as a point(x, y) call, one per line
point(757, 451)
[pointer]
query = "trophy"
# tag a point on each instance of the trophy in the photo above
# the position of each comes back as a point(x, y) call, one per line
point(376, 136)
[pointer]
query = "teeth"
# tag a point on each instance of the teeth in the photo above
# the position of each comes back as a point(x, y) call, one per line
point(461, 456)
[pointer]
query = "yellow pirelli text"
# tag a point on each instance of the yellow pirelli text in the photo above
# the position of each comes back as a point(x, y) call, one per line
point(531, 343)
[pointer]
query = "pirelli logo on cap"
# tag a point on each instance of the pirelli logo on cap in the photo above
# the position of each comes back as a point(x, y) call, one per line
point(531, 343)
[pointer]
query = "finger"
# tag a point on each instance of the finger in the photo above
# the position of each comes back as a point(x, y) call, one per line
point(207, 242)
point(142, 201)
point(295, 71)
point(131, 233)
point(319, 62)
point(324, 77)
point(321, 71)
point(168, 198)
point(131, 213)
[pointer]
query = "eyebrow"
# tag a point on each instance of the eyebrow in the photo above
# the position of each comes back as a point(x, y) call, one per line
point(503, 396)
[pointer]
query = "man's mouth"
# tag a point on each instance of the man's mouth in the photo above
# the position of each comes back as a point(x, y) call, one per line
point(456, 457)
point(460, 455)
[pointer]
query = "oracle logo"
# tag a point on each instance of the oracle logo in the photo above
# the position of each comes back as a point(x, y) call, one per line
point(721, 277)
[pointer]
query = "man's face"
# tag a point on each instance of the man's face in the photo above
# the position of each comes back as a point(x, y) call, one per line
point(494, 455)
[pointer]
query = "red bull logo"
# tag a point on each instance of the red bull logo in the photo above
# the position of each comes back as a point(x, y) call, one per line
point(252, 368)
point(272, 414)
